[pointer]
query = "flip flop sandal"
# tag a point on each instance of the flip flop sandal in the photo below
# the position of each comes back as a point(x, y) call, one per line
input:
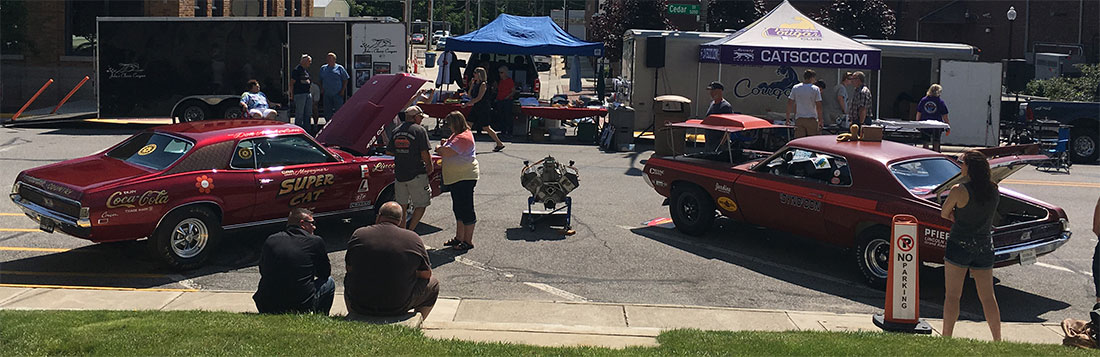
point(452, 242)
point(464, 246)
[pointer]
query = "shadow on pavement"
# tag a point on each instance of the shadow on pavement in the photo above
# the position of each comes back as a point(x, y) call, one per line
point(832, 270)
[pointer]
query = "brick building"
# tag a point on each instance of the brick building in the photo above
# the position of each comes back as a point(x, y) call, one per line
point(56, 39)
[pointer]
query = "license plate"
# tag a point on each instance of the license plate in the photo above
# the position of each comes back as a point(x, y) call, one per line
point(46, 225)
point(1027, 257)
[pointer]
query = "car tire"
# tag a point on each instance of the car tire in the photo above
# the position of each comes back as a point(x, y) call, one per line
point(872, 256)
point(692, 209)
point(186, 237)
point(1083, 144)
point(193, 110)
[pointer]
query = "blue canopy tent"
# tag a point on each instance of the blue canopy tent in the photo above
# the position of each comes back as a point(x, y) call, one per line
point(522, 35)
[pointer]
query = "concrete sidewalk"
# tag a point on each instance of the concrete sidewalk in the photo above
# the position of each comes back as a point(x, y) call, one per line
point(544, 323)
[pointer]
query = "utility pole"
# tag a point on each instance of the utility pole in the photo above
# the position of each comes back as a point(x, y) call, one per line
point(466, 24)
point(478, 13)
point(431, 19)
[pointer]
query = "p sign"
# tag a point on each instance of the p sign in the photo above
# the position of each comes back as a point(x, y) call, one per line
point(902, 296)
point(902, 281)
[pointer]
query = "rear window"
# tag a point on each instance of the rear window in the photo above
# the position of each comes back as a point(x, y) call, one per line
point(922, 176)
point(153, 150)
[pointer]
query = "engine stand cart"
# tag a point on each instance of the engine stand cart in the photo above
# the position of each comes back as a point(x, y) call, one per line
point(534, 217)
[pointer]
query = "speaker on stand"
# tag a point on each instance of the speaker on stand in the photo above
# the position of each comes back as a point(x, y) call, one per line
point(654, 58)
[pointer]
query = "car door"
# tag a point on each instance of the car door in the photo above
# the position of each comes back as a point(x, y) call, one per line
point(781, 194)
point(292, 171)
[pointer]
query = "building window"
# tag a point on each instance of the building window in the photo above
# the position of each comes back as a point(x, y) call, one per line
point(288, 8)
point(200, 8)
point(246, 8)
point(271, 8)
point(80, 21)
point(216, 8)
point(297, 7)
point(13, 25)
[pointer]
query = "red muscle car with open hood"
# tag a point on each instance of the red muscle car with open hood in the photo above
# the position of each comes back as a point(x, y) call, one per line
point(844, 193)
point(182, 185)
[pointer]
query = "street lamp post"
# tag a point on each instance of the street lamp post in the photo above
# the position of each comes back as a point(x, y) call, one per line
point(1011, 19)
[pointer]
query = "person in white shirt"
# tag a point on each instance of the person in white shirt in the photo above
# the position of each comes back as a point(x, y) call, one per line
point(805, 102)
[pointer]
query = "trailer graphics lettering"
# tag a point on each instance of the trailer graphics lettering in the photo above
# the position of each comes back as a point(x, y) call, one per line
point(802, 29)
point(378, 46)
point(125, 70)
point(781, 88)
point(804, 203)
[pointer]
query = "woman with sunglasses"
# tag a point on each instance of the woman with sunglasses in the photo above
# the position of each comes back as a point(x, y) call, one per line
point(482, 111)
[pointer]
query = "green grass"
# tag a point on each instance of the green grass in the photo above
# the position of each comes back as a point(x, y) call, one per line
point(217, 333)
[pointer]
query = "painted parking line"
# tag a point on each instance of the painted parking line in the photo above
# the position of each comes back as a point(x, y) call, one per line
point(1052, 183)
point(20, 230)
point(11, 214)
point(79, 287)
point(556, 292)
point(84, 275)
point(34, 249)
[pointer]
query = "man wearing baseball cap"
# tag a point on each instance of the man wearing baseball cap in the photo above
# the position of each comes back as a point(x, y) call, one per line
point(718, 106)
point(412, 161)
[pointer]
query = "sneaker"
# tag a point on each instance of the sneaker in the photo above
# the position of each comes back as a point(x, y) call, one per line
point(464, 246)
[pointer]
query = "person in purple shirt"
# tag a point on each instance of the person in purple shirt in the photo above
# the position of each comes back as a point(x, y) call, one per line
point(931, 107)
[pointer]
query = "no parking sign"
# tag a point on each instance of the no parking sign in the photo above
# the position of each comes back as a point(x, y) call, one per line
point(903, 280)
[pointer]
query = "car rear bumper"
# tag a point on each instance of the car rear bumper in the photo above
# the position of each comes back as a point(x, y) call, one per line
point(1011, 255)
point(81, 228)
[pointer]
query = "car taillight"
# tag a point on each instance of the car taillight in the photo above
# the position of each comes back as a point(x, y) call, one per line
point(538, 86)
point(1030, 114)
point(15, 188)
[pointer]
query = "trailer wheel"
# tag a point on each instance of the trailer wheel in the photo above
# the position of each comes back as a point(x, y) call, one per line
point(193, 110)
point(232, 111)
point(1083, 144)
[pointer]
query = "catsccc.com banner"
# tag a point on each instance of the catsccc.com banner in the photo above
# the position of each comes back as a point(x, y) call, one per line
point(766, 56)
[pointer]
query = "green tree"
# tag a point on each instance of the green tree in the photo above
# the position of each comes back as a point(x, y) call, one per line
point(13, 32)
point(617, 16)
point(872, 18)
point(1084, 88)
point(733, 14)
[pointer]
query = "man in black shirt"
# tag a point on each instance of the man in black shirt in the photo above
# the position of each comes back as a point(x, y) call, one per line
point(718, 106)
point(412, 160)
point(303, 100)
point(294, 270)
point(389, 272)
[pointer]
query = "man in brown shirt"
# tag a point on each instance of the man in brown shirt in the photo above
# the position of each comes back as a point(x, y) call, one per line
point(388, 269)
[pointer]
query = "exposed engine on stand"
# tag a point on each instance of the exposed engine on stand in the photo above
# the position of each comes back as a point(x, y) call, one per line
point(549, 181)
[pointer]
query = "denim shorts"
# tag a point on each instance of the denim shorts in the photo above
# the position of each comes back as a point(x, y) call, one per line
point(973, 257)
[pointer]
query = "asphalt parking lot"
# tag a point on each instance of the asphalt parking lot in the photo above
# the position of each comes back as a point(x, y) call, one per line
point(613, 257)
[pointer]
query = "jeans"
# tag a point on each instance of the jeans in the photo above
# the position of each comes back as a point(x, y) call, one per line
point(303, 112)
point(322, 299)
point(332, 102)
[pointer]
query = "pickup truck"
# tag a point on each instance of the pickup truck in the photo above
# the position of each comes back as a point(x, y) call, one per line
point(1083, 116)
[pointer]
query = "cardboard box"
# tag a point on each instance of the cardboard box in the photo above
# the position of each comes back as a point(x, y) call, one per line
point(870, 133)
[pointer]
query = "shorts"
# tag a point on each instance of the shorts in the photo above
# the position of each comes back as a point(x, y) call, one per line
point(806, 127)
point(979, 258)
point(261, 113)
point(416, 192)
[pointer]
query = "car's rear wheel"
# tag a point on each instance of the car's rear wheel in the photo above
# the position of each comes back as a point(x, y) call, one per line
point(692, 209)
point(186, 237)
point(873, 255)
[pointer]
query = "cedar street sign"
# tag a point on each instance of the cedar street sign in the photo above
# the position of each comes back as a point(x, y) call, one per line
point(683, 9)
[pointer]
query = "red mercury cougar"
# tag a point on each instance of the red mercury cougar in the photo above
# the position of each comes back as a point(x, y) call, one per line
point(183, 185)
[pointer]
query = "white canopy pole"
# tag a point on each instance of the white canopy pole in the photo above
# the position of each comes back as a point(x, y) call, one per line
point(698, 77)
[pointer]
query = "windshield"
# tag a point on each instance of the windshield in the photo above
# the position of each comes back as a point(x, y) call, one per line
point(922, 176)
point(152, 150)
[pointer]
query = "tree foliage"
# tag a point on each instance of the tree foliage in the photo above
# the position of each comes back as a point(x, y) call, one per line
point(734, 14)
point(454, 11)
point(872, 18)
point(1084, 88)
point(617, 16)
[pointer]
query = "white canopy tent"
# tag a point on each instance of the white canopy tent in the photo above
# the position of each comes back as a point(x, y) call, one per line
point(787, 37)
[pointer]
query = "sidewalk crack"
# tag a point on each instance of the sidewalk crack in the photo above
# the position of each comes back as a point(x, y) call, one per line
point(626, 319)
point(178, 295)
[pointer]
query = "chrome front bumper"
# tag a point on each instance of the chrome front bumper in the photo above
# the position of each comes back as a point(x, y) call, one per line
point(77, 227)
point(1012, 254)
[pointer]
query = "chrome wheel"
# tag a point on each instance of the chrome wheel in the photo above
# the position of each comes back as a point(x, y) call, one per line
point(189, 238)
point(876, 255)
point(1083, 146)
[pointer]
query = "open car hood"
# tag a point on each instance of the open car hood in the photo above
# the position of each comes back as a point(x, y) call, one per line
point(726, 122)
point(1000, 168)
point(373, 105)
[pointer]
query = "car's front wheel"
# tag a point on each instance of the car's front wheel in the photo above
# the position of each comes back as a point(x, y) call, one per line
point(186, 237)
point(692, 209)
point(873, 256)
